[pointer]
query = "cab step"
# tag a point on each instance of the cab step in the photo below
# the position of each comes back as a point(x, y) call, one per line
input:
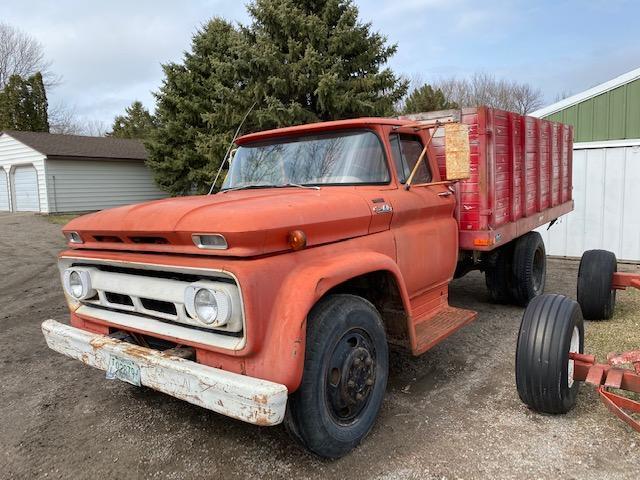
point(433, 329)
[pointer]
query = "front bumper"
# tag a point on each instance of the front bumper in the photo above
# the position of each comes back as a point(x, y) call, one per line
point(245, 398)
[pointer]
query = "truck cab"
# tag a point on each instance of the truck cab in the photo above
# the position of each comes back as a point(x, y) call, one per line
point(276, 298)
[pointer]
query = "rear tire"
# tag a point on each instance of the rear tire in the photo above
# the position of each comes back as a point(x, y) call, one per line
point(595, 276)
point(529, 268)
point(344, 379)
point(551, 327)
point(498, 275)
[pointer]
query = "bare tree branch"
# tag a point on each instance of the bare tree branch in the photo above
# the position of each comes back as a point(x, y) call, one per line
point(64, 120)
point(485, 89)
point(23, 55)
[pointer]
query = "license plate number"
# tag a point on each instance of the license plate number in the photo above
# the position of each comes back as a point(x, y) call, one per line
point(124, 370)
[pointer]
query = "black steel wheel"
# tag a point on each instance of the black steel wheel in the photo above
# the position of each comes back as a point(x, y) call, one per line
point(529, 268)
point(551, 328)
point(595, 275)
point(344, 378)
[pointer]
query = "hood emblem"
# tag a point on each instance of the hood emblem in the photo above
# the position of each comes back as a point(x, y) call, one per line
point(385, 208)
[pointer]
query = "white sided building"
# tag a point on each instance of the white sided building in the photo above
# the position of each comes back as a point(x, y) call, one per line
point(606, 170)
point(51, 173)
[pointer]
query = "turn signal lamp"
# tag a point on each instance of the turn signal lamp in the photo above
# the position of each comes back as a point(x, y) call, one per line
point(483, 242)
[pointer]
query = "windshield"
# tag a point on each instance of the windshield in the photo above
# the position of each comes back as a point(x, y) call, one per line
point(336, 158)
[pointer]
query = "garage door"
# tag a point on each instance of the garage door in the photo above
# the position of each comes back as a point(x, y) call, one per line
point(4, 191)
point(25, 189)
point(605, 190)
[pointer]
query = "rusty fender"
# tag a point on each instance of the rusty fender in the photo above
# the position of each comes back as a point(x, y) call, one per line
point(302, 290)
point(238, 396)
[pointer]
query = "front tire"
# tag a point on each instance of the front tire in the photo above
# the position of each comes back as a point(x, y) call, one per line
point(552, 326)
point(344, 379)
point(595, 275)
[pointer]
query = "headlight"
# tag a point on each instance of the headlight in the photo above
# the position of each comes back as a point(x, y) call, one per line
point(77, 283)
point(208, 305)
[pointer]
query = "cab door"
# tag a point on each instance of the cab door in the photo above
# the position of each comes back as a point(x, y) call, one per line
point(425, 230)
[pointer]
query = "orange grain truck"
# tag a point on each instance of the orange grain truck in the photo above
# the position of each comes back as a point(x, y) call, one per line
point(275, 299)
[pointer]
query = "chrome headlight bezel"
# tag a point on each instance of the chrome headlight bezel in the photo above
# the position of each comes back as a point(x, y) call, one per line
point(223, 306)
point(85, 280)
point(74, 238)
point(210, 241)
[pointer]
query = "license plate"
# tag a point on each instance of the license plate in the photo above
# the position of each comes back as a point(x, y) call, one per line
point(124, 370)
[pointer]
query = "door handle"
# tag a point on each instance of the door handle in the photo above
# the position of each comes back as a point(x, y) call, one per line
point(444, 194)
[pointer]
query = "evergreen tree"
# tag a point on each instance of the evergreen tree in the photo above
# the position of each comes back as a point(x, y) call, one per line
point(137, 122)
point(427, 99)
point(299, 61)
point(313, 60)
point(185, 149)
point(23, 104)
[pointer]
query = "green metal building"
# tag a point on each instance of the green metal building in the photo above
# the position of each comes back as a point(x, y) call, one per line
point(606, 169)
point(610, 111)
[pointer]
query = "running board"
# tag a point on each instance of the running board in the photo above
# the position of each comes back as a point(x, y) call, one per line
point(431, 330)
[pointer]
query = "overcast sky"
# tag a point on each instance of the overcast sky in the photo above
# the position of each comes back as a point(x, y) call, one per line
point(108, 53)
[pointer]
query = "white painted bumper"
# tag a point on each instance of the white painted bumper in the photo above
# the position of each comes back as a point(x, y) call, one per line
point(248, 399)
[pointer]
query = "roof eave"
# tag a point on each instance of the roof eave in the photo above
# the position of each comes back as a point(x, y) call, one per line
point(317, 127)
point(587, 94)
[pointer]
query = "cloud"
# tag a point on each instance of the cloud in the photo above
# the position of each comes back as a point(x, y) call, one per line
point(110, 53)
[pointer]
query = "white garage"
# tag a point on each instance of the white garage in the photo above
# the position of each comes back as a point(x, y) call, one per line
point(48, 173)
point(4, 191)
point(25, 188)
point(606, 170)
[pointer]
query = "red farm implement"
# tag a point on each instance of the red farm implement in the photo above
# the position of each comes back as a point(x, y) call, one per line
point(550, 359)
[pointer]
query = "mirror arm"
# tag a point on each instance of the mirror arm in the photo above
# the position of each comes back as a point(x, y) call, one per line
point(407, 185)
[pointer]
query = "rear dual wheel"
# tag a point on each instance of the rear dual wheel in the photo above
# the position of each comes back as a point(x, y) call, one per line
point(344, 379)
point(518, 270)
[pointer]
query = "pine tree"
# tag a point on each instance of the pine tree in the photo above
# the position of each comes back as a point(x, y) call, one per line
point(314, 60)
point(185, 149)
point(427, 99)
point(23, 104)
point(299, 61)
point(137, 122)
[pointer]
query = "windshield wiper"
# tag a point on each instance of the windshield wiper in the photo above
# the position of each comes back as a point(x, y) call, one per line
point(312, 187)
point(245, 187)
point(282, 185)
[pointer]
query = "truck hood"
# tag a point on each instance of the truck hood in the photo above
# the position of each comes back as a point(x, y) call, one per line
point(254, 222)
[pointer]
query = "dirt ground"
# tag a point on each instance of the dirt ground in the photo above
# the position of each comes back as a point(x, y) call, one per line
point(452, 413)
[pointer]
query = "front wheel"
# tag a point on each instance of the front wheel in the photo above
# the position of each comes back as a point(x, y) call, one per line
point(344, 379)
point(551, 328)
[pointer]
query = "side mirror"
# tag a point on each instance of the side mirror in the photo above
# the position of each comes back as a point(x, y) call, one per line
point(457, 151)
point(232, 154)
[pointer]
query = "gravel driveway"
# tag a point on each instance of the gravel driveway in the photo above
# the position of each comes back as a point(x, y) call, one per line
point(452, 413)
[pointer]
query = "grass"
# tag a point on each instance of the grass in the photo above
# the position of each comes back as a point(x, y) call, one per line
point(621, 333)
point(60, 219)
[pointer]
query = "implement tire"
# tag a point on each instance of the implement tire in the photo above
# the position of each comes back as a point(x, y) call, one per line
point(595, 275)
point(552, 326)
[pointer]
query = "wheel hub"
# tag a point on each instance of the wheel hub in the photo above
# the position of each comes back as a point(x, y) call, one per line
point(357, 376)
point(351, 376)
